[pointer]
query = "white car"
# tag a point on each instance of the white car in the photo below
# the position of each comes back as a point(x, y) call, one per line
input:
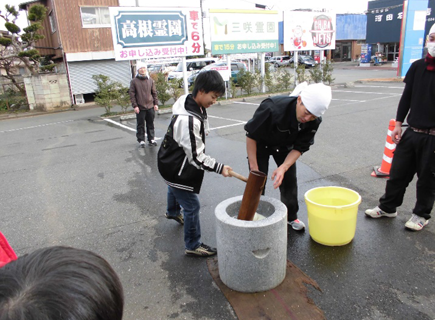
point(191, 65)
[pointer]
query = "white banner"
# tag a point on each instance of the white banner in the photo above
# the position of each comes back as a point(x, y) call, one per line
point(243, 31)
point(309, 30)
point(149, 33)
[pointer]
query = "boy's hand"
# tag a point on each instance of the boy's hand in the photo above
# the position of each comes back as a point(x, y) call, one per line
point(226, 171)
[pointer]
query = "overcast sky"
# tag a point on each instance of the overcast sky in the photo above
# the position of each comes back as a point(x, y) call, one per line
point(22, 20)
point(339, 6)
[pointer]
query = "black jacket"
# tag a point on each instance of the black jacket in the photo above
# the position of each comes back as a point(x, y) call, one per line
point(275, 125)
point(418, 98)
point(181, 157)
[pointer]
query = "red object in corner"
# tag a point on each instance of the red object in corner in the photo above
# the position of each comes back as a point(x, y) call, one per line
point(7, 254)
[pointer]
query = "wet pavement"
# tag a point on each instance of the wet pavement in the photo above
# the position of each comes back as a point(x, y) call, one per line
point(72, 178)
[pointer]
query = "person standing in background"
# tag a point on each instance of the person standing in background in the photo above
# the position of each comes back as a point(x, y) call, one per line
point(415, 151)
point(143, 97)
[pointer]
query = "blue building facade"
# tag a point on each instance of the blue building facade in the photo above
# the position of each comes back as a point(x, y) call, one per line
point(350, 34)
point(384, 24)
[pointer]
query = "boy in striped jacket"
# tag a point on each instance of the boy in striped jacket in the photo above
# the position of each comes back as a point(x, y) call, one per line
point(182, 159)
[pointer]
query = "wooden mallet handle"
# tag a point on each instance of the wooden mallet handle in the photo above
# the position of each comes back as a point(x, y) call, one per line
point(238, 176)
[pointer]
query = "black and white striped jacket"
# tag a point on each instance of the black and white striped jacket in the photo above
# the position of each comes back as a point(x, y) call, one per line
point(181, 157)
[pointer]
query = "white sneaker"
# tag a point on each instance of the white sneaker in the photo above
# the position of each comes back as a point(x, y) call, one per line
point(152, 143)
point(416, 222)
point(376, 212)
point(142, 144)
point(297, 225)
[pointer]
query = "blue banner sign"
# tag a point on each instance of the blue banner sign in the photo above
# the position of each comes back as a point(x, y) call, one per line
point(412, 39)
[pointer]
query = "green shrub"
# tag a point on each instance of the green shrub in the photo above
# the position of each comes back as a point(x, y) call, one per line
point(123, 99)
point(283, 80)
point(174, 89)
point(233, 89)
point(300, 73)
point(269, 81)
point(107, 92)
point(316, 74)
point(162, 87)
point(327, 72)
point(246, 80)
point(46, 64)
point(259, 83)
point(12, 100)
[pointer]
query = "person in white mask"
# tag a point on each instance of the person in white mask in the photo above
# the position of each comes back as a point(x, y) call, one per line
point(143, 97)
point(284, 127)
point(415, 150)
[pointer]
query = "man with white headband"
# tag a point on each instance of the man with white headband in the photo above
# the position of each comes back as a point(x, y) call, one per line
point(415, 151)
point(284, 127)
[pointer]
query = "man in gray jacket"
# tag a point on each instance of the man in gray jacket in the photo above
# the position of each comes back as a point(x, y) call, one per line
point(143, 97)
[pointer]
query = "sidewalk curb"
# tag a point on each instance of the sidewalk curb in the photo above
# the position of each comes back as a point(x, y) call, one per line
point(33, 113)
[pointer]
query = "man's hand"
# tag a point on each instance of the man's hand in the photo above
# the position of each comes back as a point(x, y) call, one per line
point(136, 110)
point(396, 134)
point(277, 176)
point(226, 171)
point(156, 107)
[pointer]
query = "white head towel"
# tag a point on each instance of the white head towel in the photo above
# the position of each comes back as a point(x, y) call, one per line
point(315, 97)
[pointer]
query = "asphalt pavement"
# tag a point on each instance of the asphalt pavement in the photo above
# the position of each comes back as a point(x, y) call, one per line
point(73, 178)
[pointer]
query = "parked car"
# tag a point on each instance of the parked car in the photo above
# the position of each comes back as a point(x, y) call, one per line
point(308, 61)
point(279, 61)
point(235, 69)
point(165, 68)
point(191, 66)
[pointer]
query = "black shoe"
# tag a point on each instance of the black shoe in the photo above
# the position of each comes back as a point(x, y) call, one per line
point(152, 143)
point(203, 251)
point(179, 218)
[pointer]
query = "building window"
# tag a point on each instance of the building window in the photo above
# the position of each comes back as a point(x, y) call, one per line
point(52, 22)
point(95, 17)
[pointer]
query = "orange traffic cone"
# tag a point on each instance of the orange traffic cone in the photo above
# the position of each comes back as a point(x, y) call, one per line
point(384, 170)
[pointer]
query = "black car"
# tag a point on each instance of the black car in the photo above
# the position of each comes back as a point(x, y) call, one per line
point(308, 61)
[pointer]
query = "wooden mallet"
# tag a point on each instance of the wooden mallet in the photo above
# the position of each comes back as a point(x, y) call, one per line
point(251, 197)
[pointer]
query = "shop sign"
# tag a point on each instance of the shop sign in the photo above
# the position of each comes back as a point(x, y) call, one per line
point(309, 30)
point(145, 33)
point(243, 31)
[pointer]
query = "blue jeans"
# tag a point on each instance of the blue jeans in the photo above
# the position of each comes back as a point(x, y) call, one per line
point(190, 203)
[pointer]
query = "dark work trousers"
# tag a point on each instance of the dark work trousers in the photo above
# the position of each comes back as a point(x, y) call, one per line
point(289, 185)
point(413, 154)
point(145, 117)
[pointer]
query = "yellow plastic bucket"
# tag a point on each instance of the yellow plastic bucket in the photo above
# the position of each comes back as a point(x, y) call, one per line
point(332, 213)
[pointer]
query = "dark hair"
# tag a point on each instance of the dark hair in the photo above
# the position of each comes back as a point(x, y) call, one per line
point(207, 81)
point(60, 283)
